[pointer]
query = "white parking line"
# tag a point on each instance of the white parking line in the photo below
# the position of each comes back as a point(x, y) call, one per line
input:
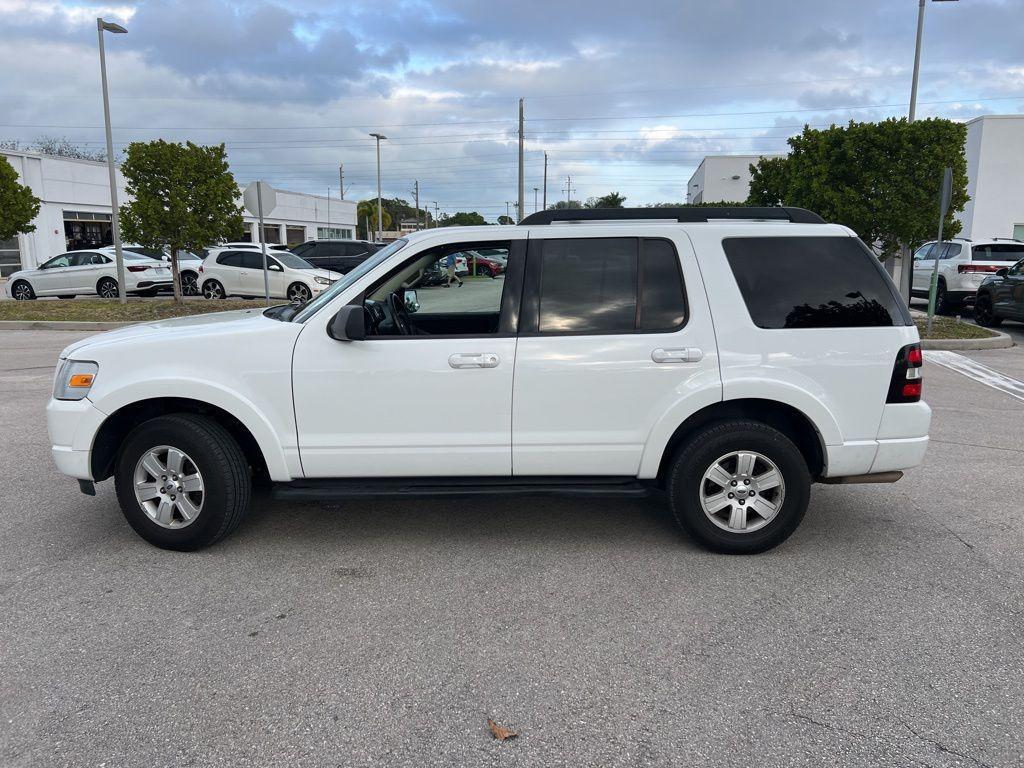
point(977, 371)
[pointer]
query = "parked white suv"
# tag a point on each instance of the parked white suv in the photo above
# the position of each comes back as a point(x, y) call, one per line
point(239, 272)
point(92, 272)
point(724, 362)
point(963, 265)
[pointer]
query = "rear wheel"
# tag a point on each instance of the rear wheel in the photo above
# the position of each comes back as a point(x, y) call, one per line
point(22, 291)
point(106, 288)
point(739, 487)
point(182, 481)
point(984, 313)
point(944, 304)
point(213, 290)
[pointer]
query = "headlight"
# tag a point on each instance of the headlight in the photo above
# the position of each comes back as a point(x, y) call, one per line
point(322, 280)
point(74, 380)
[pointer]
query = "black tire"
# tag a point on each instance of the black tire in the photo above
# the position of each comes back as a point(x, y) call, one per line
point(189, 284)
point(212, 289)
point(944, 305)
point(67, 296)
point(984, 313)
point(22, 291)
point(225, 473)
point(702, 450)
point(106, 288)
point(299, 293)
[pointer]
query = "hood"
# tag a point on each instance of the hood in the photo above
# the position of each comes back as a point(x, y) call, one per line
point(194, 325)
point(327, 273)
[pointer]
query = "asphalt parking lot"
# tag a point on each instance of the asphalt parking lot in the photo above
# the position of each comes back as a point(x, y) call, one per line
point(886, 631)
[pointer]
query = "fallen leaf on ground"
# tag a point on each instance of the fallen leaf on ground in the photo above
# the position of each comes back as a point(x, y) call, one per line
point(500, 732)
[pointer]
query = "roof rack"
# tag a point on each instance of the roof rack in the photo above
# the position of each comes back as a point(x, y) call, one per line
point(686, 215)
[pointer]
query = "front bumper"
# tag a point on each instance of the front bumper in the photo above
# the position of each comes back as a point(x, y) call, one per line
point(72, 426)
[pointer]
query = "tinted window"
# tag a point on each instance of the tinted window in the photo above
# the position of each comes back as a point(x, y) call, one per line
point(998, 252)
point(230, 259)
point(662, 303)
point(588, 286)
point(300, 249)
point(952, 251)
point(254, 260)
point(812, 282)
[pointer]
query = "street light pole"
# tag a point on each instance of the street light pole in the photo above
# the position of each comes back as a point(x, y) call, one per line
point(115, 222)
point(535, 191)
point(380, 213)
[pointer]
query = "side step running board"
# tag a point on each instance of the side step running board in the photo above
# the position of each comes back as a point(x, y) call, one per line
point(877, 477)
point(329, 490)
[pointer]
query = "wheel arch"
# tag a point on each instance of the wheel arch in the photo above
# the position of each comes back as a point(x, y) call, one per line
point(111, 433)
point(789, 420)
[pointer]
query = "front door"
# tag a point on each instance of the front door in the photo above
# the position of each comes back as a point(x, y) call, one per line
point(924, 264)
point(615, 334)
point(428, 392)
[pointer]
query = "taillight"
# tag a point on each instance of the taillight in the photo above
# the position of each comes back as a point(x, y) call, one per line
point(137, 268)
point(962, 268)
point(905, 385)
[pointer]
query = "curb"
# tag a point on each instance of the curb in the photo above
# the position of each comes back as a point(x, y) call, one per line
point(58, 325)
point(1001, 341)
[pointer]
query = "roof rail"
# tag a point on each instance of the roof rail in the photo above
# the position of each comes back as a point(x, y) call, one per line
point(686, 215)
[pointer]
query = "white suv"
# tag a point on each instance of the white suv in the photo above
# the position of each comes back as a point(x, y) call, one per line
point(727, 358)
point(963, 265)
point(239, 272)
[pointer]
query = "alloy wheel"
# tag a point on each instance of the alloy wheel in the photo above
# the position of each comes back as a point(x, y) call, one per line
point(189, 285)
point(22, 292)
point(169, 487)
point(213, 290)
point(298, 293)
point(742, 491)
point(108, 289)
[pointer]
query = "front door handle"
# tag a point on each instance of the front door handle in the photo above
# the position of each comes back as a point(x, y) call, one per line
point(678, 355)
point(474, 360)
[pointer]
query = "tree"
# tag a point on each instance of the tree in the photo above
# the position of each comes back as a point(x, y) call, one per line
point(366, 211)
point(462, 219)
point(611, 200)
point(880, 179)
point(503, 219)
point(58, 147)
point(18, 206)
point(183, 197)
point(562, 205)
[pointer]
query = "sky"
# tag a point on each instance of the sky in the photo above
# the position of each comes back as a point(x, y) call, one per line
point(623, 97)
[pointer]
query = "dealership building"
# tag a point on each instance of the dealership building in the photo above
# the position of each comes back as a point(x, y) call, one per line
point(74, 211)
point(995, 178)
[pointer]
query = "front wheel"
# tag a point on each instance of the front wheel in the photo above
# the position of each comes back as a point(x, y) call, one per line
point(22, 291)
point(182, 481)
point(107, 288)
point(299, 293)
point(984, 313)
point(739, 487)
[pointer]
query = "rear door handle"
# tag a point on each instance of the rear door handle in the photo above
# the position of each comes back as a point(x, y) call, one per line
point(474, 360)
point(678, 355)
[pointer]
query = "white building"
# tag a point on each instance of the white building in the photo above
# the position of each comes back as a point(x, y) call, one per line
point(721, 178)
point(74, 211)
point(995, 178)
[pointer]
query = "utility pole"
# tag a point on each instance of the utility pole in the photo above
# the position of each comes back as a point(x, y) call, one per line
point(436, 214)
point(341, 180)
point(568, 191)
point(519, 208)
point(380, 213)
point(535, 191)
point(507, 213)
point(329, 211)
point(115, 220)
point(545, 181)
point(416, 190)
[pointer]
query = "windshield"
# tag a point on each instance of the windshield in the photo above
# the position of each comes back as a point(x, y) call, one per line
point(311, 308)
point(187, 256)
point(291, 260)
point(997, 252)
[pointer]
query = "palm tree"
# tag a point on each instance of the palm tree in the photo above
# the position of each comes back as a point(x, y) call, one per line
point(367, 213)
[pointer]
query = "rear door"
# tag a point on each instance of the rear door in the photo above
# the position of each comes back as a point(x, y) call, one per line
point(615, 333)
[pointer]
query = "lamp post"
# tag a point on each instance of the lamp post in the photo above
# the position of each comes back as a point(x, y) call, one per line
point(917, 57)
point(380, 214)
point(115, 223)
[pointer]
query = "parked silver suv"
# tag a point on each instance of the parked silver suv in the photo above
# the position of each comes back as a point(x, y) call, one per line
point(963, 265)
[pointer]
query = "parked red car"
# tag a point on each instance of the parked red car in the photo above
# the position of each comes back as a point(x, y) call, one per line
point(483, 265)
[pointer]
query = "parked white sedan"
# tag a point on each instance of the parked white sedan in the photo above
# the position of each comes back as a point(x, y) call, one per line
point(239, 272)
point(92, 272)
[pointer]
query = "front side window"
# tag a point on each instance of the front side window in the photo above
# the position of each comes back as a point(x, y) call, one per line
point(609, 286)
point(56, 262)
point(813, 282)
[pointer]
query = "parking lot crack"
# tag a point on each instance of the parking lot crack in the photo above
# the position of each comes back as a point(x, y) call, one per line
point(945, 749)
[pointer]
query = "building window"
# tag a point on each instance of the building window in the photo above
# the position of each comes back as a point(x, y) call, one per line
point(271, 234)
point(10, 257)
point(1018, 231)
point(333, 233)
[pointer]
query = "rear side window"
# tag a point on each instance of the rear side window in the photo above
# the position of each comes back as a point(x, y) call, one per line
point(230, 259)
point(997, 252)
point(609, 285)
point(813, 282)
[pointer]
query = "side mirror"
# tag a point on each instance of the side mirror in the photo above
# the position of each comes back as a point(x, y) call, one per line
point(348, 325)
point(274, 268)
point(412, 303)
point(1002, 272)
